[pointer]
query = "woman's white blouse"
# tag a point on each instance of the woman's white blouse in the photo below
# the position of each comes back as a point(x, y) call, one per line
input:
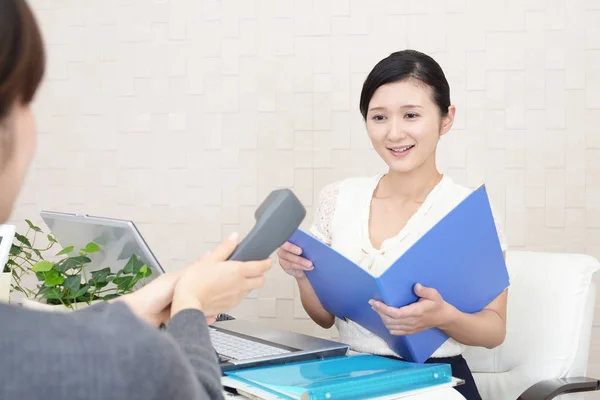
point(342, 221)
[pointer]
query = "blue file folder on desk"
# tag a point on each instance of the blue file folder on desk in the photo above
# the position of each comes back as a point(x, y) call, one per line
point(460, 256)
point(355, 377)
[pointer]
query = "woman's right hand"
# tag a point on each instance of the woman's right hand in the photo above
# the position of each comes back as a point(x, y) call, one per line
point(214, 285)
point(292, 262)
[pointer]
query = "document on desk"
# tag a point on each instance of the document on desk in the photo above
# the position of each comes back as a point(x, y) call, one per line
point(360, 377)
point(460, 257)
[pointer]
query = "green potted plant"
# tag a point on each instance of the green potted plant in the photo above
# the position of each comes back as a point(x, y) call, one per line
point(65, 283)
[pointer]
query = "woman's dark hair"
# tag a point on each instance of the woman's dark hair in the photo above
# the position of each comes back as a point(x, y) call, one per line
point(402, 65)
point(22, 59)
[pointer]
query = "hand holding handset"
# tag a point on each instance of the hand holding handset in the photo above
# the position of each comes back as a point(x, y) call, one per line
point(277, 218)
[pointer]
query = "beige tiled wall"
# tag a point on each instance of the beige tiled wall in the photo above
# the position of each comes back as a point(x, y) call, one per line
point(183, 114)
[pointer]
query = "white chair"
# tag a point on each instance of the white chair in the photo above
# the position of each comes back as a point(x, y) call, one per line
point(550, 313)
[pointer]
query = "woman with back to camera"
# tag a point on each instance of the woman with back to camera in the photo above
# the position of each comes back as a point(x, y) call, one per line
point(108, 351)
point(405, 102)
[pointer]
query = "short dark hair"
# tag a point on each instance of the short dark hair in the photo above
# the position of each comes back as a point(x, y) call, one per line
point(407, 64)
point(22, 59)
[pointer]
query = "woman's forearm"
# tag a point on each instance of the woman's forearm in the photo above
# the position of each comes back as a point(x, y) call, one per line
point(485, 328)
point(312, 305)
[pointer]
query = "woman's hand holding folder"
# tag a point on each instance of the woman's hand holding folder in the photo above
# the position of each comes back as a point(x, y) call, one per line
point(292, 262)
point(430, 311)
point(486, 328)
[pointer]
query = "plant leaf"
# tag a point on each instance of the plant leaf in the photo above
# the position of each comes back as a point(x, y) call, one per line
point(101, 278)
point(41, 276)
point(133, 266)
point(51, 239)
point(91, 247)
point(14, 250)
point(73, 283)
point(64, 251)
point(32, 226)
point(75, 262)
point(86, 297)
point(132, 283)
point(145, 271)
point(101, 275)
point(22, 239)
point(111, 296)
point(137, 278)
point(38, 253)
point(124, 282)
point(60, 266)
point(53, 278)
point(6, 267)
point(100, 285)
point(80, 292)
point(51, 293)
point(43, 266)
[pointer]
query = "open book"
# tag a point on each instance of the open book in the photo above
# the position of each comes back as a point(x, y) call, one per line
point(460, 257)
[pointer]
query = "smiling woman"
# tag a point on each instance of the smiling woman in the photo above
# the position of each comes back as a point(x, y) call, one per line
point(405, 103)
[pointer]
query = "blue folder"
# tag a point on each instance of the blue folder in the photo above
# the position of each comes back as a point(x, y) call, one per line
point(355, 377)
point(460, 256)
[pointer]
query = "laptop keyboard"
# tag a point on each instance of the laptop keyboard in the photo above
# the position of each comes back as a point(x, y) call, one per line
point(238, 348)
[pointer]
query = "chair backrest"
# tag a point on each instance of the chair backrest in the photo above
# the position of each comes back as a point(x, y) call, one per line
point(549, 321)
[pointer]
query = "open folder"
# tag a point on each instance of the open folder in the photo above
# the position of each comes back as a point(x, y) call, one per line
point(460, 256)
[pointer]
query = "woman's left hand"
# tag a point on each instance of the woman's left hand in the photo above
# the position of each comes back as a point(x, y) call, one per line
point(430, 311)
point(152, 303)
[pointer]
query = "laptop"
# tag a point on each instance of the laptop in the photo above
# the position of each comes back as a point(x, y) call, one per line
point(118, 239)
point(244, 344)
point(238, 343)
